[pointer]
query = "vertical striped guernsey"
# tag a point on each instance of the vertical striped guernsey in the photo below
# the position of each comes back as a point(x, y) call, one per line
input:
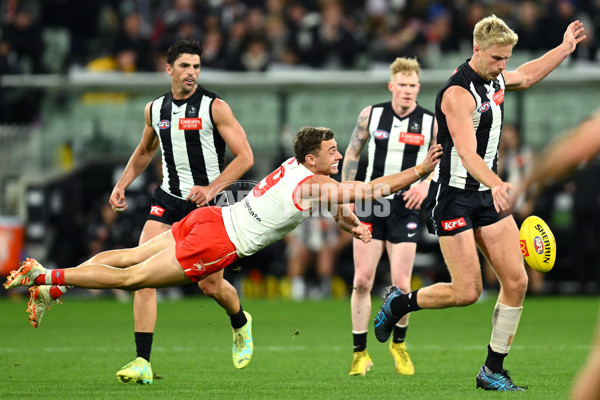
point(397, 143)
point(193, 151)
point(487, 122)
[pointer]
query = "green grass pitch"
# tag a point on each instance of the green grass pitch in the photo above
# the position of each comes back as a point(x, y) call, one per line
point(303, 350)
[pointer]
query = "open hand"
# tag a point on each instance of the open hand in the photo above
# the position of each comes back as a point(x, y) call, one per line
point(574, 35)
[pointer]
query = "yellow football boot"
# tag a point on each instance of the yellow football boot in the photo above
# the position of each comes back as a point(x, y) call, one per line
point(361, 363)
point(404, 365)
point(243, 345)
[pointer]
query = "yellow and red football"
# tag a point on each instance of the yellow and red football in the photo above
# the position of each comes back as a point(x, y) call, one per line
point(537, 244)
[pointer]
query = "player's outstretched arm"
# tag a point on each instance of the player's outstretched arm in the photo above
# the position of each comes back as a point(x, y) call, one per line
point(407, 177)
point(321, 188)
point(534, 71)
point(389, 184)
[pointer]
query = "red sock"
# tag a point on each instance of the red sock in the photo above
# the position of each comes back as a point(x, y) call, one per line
point(58, 276)
point(57, 291)
point(40, 280)
point(52, 277)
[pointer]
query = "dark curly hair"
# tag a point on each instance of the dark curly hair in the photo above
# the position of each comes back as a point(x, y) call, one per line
point(308, 140)
point(183, 47)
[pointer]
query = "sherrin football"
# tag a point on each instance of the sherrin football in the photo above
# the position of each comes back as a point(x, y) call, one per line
point(537, 244)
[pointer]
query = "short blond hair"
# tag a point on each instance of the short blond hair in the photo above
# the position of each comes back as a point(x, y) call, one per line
point(405, 65)
point(491, 31)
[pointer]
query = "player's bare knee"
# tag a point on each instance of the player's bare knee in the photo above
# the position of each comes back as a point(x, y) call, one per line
point(362, 286)
point(209, 288)
point(516, 284)
point(467, 297)
point(523, 283)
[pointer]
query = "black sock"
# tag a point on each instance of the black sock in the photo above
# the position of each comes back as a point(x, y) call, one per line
point(238, 320)
point(399, 333)
point(494, 361)
point(360, 341)
point(143, 344)
point(404, 304)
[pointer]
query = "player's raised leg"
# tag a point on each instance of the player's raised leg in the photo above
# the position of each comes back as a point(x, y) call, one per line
point(160, 270)
point(462, 260)
point(148, 273)
point(33, 273)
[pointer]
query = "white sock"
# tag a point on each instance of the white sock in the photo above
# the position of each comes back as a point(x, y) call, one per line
point(504, 323)
point(298, 288)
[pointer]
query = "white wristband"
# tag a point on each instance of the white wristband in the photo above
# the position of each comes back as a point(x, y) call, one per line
point(417, 173)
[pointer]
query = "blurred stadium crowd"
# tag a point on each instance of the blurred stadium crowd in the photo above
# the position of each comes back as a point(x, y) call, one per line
point(259, 35)
point(66, 36)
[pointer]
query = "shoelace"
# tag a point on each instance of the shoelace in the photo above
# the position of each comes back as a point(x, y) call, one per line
point(506, 374)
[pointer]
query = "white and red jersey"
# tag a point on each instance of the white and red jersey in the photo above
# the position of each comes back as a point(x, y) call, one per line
point(269, 212)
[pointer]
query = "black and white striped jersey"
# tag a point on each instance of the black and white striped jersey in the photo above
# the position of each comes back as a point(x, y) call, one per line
point(397, 143)
point(487, 122)
point(193, 151)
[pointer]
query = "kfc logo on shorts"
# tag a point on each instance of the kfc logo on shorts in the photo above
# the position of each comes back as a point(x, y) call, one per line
point(453, 224)
point(381, 134)
point(164, 124)
point(484, 107)
point(156, 210)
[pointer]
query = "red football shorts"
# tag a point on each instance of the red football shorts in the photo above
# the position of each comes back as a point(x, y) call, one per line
point(202, 246)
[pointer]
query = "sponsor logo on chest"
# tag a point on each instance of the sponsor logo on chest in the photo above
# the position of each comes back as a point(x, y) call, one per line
point(498, 97)
point(416, 139)
point(190, 124)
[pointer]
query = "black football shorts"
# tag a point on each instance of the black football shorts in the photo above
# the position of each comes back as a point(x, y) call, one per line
point(389, 219)
point(450, 210)
point(169, 209)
